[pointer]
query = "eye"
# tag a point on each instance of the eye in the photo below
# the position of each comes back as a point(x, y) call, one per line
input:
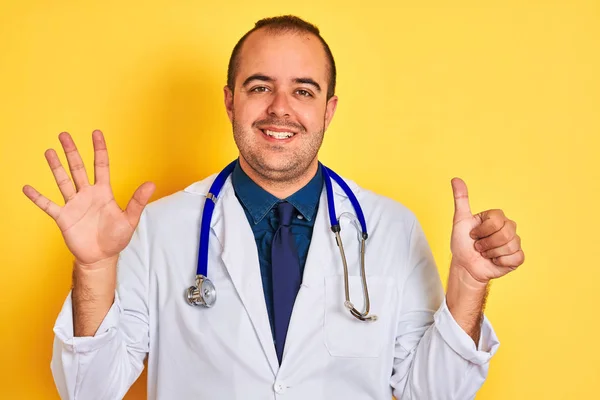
point(259, 89)
point(304, 93)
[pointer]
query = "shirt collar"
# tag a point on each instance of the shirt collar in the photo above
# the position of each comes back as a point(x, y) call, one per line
point(306, 200)
point(258, 202)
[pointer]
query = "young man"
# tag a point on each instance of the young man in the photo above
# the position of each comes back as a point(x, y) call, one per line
point(281, 326)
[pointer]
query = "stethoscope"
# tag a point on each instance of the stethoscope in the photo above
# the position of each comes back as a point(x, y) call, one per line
point(203, 293)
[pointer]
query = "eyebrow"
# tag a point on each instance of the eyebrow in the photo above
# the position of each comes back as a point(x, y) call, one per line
point(258, 77)
point(308, 81)
point(266, 78)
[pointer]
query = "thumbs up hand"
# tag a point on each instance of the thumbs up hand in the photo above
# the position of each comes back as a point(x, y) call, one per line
point(484, 245)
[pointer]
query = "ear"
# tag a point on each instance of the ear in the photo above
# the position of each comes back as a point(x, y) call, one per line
point(330, 110)
point(228, 95)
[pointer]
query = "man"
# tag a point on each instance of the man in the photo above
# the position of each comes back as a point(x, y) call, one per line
point(270, 248)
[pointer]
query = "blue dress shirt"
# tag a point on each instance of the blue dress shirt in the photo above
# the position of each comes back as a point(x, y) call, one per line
point(261, 210)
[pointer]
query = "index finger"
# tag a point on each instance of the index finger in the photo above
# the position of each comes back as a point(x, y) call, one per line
point(492, 222)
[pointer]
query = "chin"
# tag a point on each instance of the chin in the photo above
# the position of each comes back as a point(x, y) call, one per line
point(275, 166)
point(278, 165)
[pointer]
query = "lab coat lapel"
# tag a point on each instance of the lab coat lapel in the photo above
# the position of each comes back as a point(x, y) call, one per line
point(321, 244)
point(240, 257)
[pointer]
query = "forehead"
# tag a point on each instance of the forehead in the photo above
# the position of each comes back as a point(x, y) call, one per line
point(284, 56)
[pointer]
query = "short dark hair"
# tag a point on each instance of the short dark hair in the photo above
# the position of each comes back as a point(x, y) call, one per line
point(282, 24)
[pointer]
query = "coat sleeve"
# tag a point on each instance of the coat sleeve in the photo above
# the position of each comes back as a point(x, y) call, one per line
point(106, 365)
point(434, 358)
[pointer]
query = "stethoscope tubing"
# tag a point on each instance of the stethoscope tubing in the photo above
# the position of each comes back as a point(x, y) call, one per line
point(329, 175)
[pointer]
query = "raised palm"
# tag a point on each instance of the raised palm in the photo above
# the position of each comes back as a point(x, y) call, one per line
point(92, 223)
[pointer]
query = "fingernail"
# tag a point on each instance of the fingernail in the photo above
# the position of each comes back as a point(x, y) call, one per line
point(478, 246)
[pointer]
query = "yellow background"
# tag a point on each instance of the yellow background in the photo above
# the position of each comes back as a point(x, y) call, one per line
point(504, 94)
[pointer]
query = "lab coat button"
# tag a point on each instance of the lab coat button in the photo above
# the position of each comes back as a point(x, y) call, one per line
point(279, 387)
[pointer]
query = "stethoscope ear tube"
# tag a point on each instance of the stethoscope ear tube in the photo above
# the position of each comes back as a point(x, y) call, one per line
point(336, 229)
point(363, 316)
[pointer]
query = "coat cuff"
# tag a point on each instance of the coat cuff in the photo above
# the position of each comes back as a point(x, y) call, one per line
point(461, 342)
point(63, 329)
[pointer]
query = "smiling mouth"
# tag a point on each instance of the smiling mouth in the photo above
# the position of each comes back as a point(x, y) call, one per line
point(278, 135)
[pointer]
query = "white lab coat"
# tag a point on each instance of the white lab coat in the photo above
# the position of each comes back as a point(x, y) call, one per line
point(415, 350)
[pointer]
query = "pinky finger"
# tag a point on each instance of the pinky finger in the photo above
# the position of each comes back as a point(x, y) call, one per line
point(511, 261)
point(50, 208)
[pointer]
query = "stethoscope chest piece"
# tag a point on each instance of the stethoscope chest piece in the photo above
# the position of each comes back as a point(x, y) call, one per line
point(203, 293)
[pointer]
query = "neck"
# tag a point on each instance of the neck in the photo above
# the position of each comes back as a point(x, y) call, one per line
point(280, 188)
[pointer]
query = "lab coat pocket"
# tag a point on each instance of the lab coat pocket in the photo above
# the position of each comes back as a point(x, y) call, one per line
point(345, 335)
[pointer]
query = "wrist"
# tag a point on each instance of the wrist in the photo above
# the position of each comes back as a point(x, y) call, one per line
point(104, 264)
point(95, 280)
point(463, 288)
point(461, 275)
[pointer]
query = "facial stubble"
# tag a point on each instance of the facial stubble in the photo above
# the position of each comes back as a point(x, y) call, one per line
point(289, 170)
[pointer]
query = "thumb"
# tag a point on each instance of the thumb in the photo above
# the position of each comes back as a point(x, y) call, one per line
point(138, 202)
point(462, 209)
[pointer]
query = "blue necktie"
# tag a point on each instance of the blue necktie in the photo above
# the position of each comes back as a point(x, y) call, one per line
point(286, 275)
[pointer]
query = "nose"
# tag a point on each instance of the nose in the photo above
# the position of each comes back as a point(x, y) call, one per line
point(280, 106)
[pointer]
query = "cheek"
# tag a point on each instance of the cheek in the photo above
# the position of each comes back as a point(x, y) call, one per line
point(311, 117)
point(247, 111)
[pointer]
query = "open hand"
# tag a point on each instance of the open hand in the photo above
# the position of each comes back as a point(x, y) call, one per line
point(92, 223)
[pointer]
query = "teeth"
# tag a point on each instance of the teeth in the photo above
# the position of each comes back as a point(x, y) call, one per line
point(279, 135)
